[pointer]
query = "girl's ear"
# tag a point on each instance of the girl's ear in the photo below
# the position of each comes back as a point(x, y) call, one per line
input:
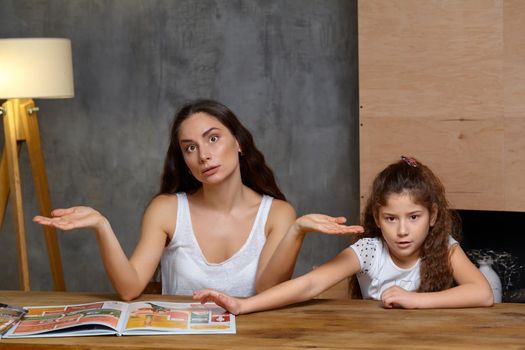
point(433, 214)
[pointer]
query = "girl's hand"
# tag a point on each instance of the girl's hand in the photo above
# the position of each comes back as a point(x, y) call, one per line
point(326, 224)
point(72, 218)
point(398, 297)
point(228, 303)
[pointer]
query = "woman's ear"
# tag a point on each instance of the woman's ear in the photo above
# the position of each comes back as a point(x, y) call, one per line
point(433, 214)
point(238, 147)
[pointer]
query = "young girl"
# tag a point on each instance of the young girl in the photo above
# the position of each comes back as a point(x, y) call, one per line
point(406, 258)
point(219, 221)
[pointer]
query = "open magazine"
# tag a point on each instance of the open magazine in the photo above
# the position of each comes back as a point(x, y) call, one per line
point(120, 318)
point(9, 315)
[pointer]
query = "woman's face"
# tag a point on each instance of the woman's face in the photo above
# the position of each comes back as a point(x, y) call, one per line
point(210, 150)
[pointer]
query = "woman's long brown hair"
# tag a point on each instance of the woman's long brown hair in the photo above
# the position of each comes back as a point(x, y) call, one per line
point(424, 187)
point(255, 173)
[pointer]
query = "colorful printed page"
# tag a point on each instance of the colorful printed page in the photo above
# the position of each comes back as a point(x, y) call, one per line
point(177, 318)
point(9, 315)
point(97, 318)
point(115, 317)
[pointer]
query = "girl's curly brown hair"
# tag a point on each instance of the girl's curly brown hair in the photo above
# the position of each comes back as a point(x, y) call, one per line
point(410, 176)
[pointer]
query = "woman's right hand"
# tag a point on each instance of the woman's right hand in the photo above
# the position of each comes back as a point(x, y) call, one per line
point(230, 304)
point(326, 224)
point(73, 218)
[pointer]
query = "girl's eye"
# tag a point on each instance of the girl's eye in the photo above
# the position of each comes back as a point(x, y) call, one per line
point(190, 148)
point(214, 138)
point(390, 218)
point(414, 217)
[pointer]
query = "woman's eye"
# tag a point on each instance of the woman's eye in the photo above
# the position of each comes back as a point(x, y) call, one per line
point(191, 148)
point(390, 218)
point(214, 138)
point(414, 217)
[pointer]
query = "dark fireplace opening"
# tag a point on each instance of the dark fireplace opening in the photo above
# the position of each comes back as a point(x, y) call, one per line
point(501, 237)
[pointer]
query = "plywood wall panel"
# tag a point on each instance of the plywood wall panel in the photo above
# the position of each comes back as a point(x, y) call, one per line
point(514, 164)
point(514, 58)
point(430, 58)
point(445, 81)
point(466, 155)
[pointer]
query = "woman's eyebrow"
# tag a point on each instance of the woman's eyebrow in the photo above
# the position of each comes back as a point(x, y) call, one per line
point(209, 130)
point(203, 135)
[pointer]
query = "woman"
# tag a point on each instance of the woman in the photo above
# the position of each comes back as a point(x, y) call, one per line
point(219, 220)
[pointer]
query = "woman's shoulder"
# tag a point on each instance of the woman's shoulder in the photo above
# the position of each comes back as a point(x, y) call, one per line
point(280, 217)
point(162, 212)
point(281, 209)
point(163, 202)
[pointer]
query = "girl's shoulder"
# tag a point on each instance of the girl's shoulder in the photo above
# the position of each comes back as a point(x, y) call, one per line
point(369, 251)
point(366, 245)
point(368, 241)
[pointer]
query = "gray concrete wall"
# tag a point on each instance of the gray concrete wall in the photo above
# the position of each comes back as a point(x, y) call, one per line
point(288, 69)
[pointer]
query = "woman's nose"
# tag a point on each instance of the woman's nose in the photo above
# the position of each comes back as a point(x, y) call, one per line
point(204, 155)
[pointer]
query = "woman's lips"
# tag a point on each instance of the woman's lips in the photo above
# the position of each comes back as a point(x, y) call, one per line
point(210, 171)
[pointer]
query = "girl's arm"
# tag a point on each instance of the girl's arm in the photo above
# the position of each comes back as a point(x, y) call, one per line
point(472, 290)
point(293, 291)
point(128, 277)
point(277, 260)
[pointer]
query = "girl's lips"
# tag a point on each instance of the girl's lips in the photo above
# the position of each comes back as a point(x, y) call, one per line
point(210, 171)
point(404, 244)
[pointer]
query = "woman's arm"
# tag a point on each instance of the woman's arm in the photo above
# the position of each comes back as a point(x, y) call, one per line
point(293, 291)
point(277, 261)
point(128, 277)
point(472, 289)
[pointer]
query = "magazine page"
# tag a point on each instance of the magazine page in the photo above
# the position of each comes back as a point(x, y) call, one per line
point(9, 315)
point(97, 318)
point(157, 317)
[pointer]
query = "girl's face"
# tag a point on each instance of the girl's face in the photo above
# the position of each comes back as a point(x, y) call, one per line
point(209, 148)
point(404, 225)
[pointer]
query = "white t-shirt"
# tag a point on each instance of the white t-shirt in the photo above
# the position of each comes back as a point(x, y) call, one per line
point(378, 270)
point(185, 269)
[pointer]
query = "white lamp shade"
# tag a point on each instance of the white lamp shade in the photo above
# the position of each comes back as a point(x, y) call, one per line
point(36, 68)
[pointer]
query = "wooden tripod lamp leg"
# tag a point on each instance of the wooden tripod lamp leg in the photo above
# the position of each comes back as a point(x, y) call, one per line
point(21, 126)
point(36, 157)
point(4, 186)
point(11, 151)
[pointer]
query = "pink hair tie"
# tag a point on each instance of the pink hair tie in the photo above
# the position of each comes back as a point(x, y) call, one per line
point(410, 161)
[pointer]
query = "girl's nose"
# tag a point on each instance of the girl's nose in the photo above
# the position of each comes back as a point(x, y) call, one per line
point(403, 229)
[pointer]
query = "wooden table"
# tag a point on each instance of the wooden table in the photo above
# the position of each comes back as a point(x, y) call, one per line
point(326, 324)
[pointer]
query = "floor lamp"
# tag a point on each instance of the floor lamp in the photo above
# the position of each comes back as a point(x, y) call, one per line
point(30, 68)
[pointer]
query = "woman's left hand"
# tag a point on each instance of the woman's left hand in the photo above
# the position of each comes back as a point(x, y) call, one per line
point(398, 297)
point(326, 224)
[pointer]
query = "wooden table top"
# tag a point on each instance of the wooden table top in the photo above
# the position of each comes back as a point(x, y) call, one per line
point(325, 324)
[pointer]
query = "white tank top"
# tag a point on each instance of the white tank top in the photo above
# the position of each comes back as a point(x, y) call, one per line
point(185, 269)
